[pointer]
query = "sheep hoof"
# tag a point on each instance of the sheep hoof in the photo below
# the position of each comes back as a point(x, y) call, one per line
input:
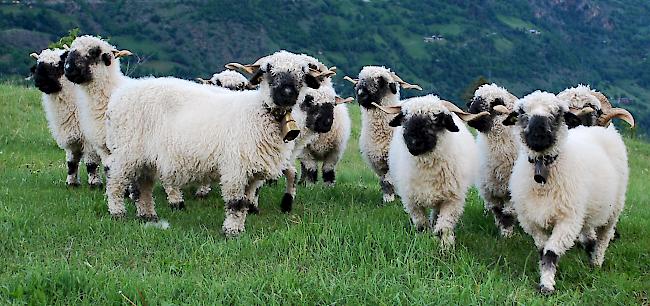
point(232, 232)
point(507, 232)
point(148, 218)
point(118, 216)
point(287, 203)
point(545, 290)
point(95, 185)
point(177, 206)
point(389, 198)
point(254, 210)
point(73, 184)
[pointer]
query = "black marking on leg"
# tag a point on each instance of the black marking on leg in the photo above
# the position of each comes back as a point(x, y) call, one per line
point(132, 192)
point(422, 229)
point(91, 168)
point(386, 186)
point(148, 218)
point(590, 247)
point(617, 235)
point(254, 210)
point(309, 175)
point(239, 204)
point(506, 220)
point(287, 203)
point(177, 206)
point(72, 167)
point(329, 176)
point(549, 259)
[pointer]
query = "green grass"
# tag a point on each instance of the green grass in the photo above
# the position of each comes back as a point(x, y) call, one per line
point(340, 245)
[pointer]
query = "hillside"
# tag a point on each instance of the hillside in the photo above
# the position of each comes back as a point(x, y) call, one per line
point(523, 45)
point(338, 246)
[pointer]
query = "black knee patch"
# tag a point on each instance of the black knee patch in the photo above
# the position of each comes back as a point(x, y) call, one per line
point(549, 259)
point(287, 203)
point(133, 192)
point(239, 204)
point(590, 246)
point(91, 168)
point(177, 206)
point(329, 176)
point(72, 167)
point(309, 175)
point(386, 187)
point(505, 219)
point(254, 210)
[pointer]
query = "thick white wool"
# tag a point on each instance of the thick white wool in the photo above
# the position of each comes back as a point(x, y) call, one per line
point(579, 96)
point(92, 113)
point(438, 179)
point(232, 80)
point(498, 150)
point(578, 198)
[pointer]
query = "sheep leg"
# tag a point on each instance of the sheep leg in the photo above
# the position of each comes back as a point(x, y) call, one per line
point(562, 238)
point(418, 216)
point(290, 189)
point(329, 169)
point(504, 218)
point(92, 167)
point(448, 215)
point(116, 183)
point(146, 208)
point(252, 193)
point(387, 188)
point(72, 158)
point(308, 170)
point(233, 191)
point(604, 235)
point(203, 191)
point(174, 196)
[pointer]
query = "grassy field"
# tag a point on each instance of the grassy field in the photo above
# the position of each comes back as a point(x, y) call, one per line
point(338, 246)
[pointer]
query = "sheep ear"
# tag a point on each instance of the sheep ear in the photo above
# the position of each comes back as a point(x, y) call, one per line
point(34, 55)
point(571, 120)
point(397, 121)
point(256, 79)
point(64, 55)
point(511, 119)
point(448, 123)
point(393, 88)
point(106, 58)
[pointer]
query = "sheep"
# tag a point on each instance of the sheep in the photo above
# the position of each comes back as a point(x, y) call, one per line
point(186, 132)
point(582, 96)
point(432, 160)
point(497, 152)
point(557, 191)
point(94, 65)
point(327, 148)
point(381, 86)
point(228, 79)
point(60, 98)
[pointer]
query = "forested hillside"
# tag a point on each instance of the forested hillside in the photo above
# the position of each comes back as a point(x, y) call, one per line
point(523, 45)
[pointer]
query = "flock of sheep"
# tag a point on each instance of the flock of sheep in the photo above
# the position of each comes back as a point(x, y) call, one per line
point(554, 163)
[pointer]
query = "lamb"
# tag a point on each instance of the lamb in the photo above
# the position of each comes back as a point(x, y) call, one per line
point(497, 152)
point(94, 65)
point(381, 86)
point(558, 194)
point(228, 79)
point(60, 99)
point(176, 117)
point(432, 160)
point(582, 96)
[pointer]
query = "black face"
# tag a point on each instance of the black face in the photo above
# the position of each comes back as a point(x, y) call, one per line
point(77, 65)
point(479, 104)
point(421, 132)
point(373, 90)
point(47, 75)
point(319, 116)
point(591, 118)
point(284, 89)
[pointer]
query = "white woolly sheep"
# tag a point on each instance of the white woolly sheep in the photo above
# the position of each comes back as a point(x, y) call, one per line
point(186, 132)
point(228, 79)
point(94, 65)
point(60, 99)
point(497, 152)
point(558, 194)
point(582, 99)
point(381, 86)
point(432, 161)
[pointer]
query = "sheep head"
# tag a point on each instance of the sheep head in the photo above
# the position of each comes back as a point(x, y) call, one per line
point(88, 55)
point(493, 99)
point(48, 70)
point(375, 84)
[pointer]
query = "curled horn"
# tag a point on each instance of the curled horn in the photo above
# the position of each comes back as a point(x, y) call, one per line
point(340, 100)
point(204, 81)
point(351, 80)
point(322, 74)
point(616, 113)
point(501, 109)
point(393, 109)
point(121, 53)
point(404, 84)
point(465, 116)
point(34, 55)
point(250, 69)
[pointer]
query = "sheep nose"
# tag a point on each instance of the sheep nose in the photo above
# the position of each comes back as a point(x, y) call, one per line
point(287, 91)
point(361, 92)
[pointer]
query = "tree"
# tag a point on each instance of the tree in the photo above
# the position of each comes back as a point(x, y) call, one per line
point(468, 92)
